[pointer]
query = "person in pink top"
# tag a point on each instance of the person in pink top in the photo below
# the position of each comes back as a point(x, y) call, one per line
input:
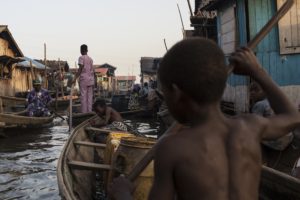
point(86, 80)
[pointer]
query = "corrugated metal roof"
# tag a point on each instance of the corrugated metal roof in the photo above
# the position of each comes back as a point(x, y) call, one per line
point(105, 65)
point(102, 71)
point(35, 64)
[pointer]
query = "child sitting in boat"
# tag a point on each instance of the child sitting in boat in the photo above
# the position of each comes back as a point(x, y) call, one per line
point(107, 116)
point(38, 100)
point(217, 157)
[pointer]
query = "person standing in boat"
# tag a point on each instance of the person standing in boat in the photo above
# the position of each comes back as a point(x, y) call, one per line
point(38, 100)
point(214, 157)
point(107, 116)
point(86, 80)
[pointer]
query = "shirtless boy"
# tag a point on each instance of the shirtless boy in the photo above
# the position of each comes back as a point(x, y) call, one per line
point(217, 157)
point(108, 114)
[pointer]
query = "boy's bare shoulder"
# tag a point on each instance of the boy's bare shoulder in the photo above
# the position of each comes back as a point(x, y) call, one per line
point(168, 147)
point(251, 122)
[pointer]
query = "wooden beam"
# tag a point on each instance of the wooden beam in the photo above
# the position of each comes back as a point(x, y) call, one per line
point(88, 166)
point(99, 130)
point(90, 144)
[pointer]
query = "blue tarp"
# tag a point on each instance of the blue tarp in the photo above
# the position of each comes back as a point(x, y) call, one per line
point(35, 64)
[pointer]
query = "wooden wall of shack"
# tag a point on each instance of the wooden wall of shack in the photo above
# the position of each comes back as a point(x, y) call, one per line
point(21, 79)
point(250, 17)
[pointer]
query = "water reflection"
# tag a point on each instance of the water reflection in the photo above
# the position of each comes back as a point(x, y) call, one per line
point(28, 163)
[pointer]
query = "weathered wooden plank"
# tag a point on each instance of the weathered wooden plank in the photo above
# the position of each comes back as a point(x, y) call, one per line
point(294, 25)
point(24, 120)
point(242, 25)
point(273, 65)
point(252, 17)
point(298, 19)
point(228, 37)
point(99, 130)
point(285, 35)
point(227, 15)
point(229, 48)
point(228, 27)
point(90, 144)
point(88, 166)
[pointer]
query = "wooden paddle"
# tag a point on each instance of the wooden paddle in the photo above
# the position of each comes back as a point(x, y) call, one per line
point(252, 44)
point(71, 107)
point(58, 115)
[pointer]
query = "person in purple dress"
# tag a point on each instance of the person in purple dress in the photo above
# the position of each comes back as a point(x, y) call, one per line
point(38, 100)
point(86, 80)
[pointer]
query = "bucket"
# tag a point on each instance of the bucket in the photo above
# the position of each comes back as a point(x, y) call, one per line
point(112, 144)
point(130, 152)
point(120, 103)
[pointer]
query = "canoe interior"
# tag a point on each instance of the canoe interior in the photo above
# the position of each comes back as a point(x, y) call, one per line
point(73, 183)
point(277, 182)
point(277, 185)
point(15, 119)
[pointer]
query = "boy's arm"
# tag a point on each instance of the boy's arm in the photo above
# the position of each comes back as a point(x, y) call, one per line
point(80, 64)
point(287, 117)
point(163, 186)
point(78, 73)
point(107, 115)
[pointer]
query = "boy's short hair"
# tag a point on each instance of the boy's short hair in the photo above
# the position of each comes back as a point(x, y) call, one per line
point(197, 66)
point(84, 48)
point(99, 102)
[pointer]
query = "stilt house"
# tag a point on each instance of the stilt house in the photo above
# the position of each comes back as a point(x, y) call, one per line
point(237, 22)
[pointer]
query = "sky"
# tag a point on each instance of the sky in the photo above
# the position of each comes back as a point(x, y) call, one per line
point(117, 32)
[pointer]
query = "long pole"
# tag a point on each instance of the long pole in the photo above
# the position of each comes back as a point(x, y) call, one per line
point(165, 44)
point(45, 62)
point(71, 109)
point(61, 70)
point(181, 20)
point(190, 7)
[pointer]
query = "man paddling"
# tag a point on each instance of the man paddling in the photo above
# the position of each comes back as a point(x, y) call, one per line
point(219, 157)
point(38, 100)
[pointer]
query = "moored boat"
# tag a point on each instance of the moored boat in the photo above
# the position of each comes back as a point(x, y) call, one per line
point(12, 104)
point(63, 103)
point(9, 120)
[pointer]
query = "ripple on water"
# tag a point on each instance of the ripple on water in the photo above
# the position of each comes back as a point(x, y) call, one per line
point(28, 163)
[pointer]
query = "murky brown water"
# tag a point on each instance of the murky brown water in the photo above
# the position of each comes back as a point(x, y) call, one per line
point(28, 160)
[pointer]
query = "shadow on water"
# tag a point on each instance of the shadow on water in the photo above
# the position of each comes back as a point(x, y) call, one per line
point(28, 159)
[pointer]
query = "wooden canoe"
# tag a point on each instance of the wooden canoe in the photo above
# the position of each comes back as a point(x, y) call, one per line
point(76, 166)
point(10, 104)
point(77, 163)
point(63, 103)
point(18, 119)
point(78, 118)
